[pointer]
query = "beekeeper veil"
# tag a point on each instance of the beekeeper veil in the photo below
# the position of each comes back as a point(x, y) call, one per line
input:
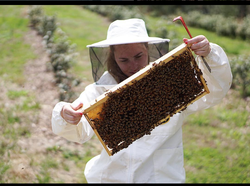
point(124, 32)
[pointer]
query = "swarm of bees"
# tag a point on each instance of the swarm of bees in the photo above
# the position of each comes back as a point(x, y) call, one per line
point(136, 109)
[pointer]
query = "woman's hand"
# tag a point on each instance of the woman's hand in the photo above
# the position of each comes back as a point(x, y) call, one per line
point(199, 45)
point(70, 114)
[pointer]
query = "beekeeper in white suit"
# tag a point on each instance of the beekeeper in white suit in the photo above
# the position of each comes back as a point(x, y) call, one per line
point(154, 158)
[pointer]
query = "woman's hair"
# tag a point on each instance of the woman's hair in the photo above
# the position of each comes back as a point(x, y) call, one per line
point(113, 67)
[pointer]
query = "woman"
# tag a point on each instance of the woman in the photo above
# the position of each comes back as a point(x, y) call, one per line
point(154, 158)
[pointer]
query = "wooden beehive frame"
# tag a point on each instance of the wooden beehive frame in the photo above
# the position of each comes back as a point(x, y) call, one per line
point(92, 109)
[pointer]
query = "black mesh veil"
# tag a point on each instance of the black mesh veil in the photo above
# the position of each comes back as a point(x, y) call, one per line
point(99, 55)
point(157, 50)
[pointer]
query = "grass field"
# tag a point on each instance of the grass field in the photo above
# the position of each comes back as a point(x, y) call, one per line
point(216, 141)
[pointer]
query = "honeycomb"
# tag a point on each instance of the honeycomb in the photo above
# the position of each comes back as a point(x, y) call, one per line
point(146, 100)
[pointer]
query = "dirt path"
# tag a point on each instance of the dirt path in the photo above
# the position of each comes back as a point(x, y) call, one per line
point(40, 80)
point(41, 83)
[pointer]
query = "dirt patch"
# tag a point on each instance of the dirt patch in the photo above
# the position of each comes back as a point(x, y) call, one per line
point(40, 81)
point(34, 150)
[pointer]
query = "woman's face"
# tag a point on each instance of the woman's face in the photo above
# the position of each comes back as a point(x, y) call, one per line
point(131, 57)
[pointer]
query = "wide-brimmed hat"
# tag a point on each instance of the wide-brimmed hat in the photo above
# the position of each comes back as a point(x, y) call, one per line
point(127, 31)
point(124, 32)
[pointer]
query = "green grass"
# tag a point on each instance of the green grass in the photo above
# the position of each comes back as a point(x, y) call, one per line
point(14, 51)
point(13, 94)
point(12, 119)
point(14, 55)
point(80, 158)
point(219, 166)
point(216, 159)
point(80, 25)
point(3, 168)
point(47, 164)
point(216, 142)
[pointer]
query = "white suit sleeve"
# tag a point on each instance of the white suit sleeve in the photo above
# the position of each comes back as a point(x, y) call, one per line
point(218, 81)
point(81, 132)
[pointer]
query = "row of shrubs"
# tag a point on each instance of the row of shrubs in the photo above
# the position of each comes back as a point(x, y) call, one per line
point(114, 12)
point(224, 26)
point(229, 27)
point(61, 52)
